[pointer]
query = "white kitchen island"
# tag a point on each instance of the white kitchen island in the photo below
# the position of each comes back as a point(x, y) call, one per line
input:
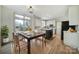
point(71, 39)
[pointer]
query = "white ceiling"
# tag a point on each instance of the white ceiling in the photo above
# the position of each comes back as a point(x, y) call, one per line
point(43, 11)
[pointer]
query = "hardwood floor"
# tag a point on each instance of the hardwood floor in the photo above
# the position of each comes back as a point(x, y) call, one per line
point(53, 46)
point(58, 47)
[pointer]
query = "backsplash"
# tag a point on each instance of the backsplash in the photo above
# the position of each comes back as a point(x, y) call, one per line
point(77, 28)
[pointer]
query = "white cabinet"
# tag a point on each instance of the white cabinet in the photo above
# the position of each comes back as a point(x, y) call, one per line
point(71, 39)
point(73, 15)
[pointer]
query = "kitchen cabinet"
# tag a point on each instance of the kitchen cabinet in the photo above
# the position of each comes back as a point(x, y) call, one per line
point(74, 15)
point(71, 39)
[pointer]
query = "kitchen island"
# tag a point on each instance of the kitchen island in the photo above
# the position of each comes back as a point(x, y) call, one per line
point(71, 39)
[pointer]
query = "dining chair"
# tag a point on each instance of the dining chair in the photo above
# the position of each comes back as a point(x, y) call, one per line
point(16, 44)
point(19, 45)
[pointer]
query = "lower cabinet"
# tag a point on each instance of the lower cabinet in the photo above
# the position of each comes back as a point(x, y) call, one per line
point(71, 39)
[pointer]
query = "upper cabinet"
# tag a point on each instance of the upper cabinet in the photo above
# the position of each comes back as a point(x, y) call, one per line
point(74, 15)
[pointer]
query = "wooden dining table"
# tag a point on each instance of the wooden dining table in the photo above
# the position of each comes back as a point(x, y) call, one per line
point(30, 37)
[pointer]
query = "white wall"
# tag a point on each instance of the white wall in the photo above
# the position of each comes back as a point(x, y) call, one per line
point(0, 26)
point(38, 22)
point(0, 16)
point(8, 19)
point(35, 22)
point(32, 23)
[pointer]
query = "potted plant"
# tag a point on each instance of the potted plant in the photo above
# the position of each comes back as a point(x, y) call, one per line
point(4, 32)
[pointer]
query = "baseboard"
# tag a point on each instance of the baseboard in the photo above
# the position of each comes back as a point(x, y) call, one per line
point(6, 43)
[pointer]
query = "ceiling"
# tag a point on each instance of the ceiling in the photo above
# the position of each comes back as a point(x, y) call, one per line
point(42, 11)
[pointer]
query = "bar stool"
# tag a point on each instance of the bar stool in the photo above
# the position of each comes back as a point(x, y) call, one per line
point(48, 35)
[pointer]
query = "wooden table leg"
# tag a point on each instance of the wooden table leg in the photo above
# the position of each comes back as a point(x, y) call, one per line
point(29, 45)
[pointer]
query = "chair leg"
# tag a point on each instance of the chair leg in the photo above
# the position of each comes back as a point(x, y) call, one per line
point(19, 50)
point(45, 43)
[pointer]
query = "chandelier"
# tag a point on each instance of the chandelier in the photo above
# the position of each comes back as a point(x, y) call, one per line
point(31, 12)
point(30, 9)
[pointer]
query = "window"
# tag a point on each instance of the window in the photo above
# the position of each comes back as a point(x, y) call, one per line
point(43, 23)
point(18, 16)
point(22, 22)
point(18, 21)
point(49, 22)
point(27, 18)
point(46, 22)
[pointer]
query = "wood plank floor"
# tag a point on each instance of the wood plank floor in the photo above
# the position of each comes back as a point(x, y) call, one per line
point(58, 47)
point(53, 46)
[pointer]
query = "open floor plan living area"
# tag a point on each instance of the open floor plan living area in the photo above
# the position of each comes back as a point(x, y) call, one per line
point(39, 29)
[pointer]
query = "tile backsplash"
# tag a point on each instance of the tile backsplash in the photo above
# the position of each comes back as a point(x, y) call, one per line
point(77, 28)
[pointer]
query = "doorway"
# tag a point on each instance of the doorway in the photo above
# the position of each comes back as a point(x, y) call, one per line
point(58, 27)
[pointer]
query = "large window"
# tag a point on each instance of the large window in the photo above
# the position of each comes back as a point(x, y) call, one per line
point(22, 22)
point(50, 23)
point(47, 22)
point(43, 23)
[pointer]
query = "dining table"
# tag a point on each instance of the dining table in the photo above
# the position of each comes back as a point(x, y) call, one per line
point(30, 36)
